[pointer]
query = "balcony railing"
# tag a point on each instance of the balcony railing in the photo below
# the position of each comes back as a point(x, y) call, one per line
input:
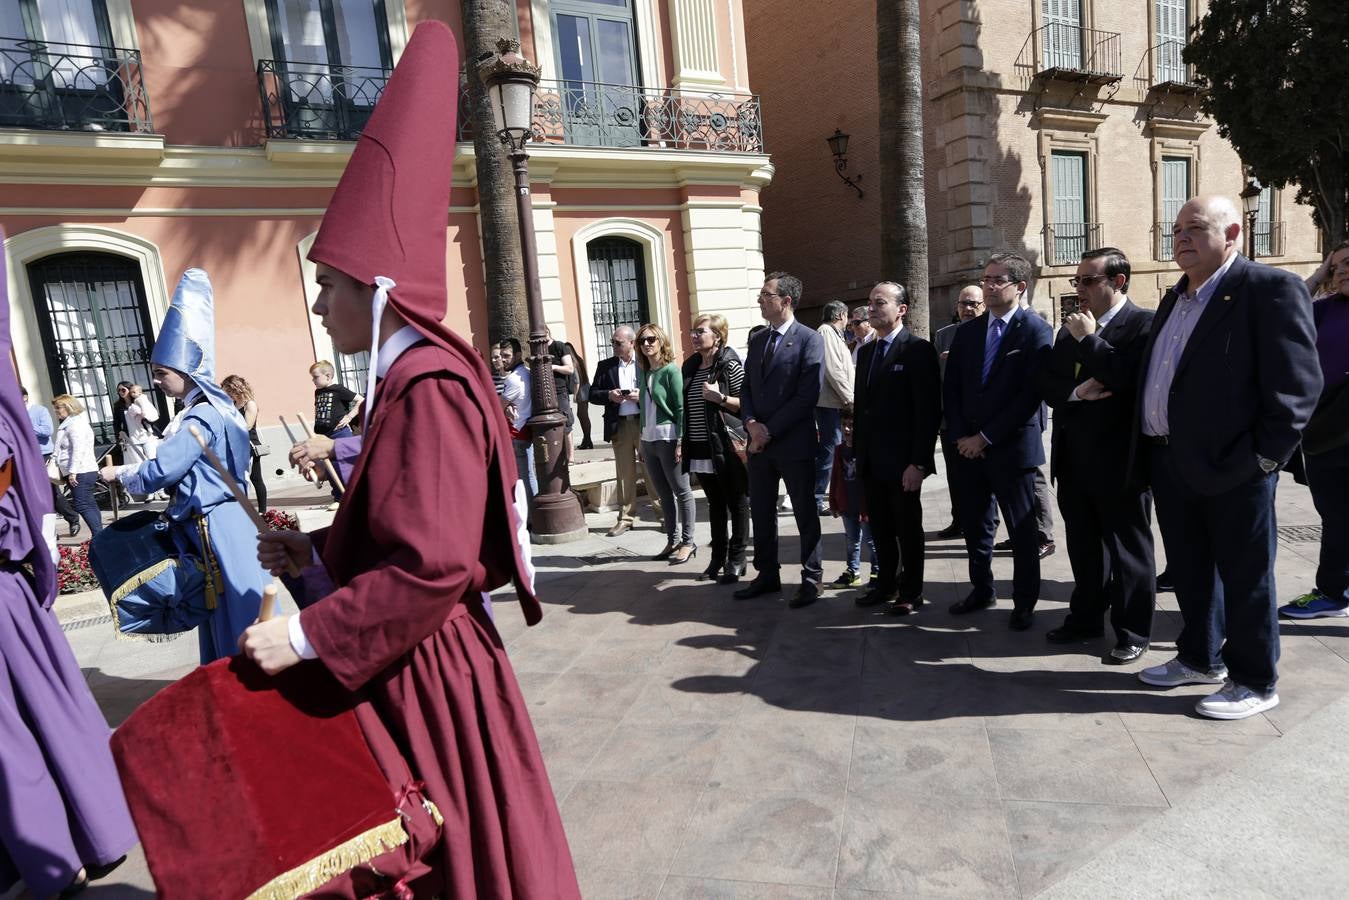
point(71, 87)
point(316, 101)
point(1072, 53)
point(1164, 246)
point(1169, 66)
point(1268, 239)
point(1067, 241)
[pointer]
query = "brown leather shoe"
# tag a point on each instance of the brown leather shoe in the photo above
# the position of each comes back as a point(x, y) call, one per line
point(621, 528)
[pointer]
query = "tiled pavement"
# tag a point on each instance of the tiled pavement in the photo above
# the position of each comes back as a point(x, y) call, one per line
point(702, 747)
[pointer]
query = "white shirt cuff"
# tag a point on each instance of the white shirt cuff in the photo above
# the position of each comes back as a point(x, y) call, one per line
point(1073, 397)
point(298, 642)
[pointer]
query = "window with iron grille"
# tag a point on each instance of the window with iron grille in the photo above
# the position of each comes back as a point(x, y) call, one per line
point(95, 330)
point(1173, 29)
point(353, 369)
point(617, 289)
point(1062, 34)
point(1265, 245)
point(1176, 189)
point(1070, 231)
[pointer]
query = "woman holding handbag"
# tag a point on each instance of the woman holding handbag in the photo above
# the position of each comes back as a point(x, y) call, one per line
point(241, 395)
point(75, 458)
point(714, 443)
point(661, 401)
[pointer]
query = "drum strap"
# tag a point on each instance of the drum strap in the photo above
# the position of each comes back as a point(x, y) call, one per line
point(215, 580)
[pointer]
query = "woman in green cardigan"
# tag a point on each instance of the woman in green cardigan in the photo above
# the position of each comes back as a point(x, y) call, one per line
point(661, 400)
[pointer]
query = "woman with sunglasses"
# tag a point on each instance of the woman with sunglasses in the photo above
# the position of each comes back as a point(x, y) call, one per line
point(661, 402)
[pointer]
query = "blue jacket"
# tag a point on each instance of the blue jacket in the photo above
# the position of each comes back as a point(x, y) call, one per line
point(42, 428)
point(1006, 410)
point(783, 396)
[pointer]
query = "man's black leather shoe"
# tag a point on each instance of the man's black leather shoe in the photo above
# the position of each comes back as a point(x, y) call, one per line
point(904, 607)
point(1020, 619)
point(1047, 549)
point(873, 597)
point(971, 604)
point(1126, 651)
point(1165, 582)
point(950, 531)
point(757, 588)
point(806, 594)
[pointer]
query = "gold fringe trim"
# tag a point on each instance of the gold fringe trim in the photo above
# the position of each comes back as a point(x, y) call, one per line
point(140, 578)
point(343, 858)
point(435, 813)
point(145, 638)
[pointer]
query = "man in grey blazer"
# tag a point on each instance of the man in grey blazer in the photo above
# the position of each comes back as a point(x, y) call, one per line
point(783, 371)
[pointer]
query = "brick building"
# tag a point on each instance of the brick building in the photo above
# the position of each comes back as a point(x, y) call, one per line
point(1051, 126)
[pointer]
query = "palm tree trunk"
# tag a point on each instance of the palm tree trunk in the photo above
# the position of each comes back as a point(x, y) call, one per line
point(903, 197)
point(486, 21)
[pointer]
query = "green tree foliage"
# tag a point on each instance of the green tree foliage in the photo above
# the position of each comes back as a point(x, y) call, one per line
point(1277, 73)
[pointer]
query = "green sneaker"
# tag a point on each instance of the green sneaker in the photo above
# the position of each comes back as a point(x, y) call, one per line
point(1314, 605)
point(848, 579)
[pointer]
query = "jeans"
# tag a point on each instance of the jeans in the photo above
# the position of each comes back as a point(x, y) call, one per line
point(671, 484)
point(855, 531)
point(524, 466)
point(85, 504)
point(829, 424)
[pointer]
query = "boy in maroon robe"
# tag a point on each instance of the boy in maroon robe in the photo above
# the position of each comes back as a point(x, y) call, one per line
point(406, 623)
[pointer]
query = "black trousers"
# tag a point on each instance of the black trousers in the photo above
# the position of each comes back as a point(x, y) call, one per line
point(726, 499)
point(1110, 549)
point(896, 517)
point(259, 486)
point(799, 477)
point(980, 481)
point(59, 501)
point(951, 456)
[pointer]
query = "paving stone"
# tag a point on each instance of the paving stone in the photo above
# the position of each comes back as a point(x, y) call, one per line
point(1067, 767)
point(922, 761)
point(1049, 840)
point(632, 826)
point(763, 835)
point(659, 751)
point(790, 752)
point(894, 841)
point(1183, 762)
point(677, 887)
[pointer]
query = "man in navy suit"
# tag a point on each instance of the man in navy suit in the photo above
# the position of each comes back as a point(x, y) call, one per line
point(993, 413)
point(1091, 381)
point(1229, 379)
point(777, 402)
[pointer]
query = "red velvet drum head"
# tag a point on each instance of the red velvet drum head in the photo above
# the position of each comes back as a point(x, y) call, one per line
point(238, 782)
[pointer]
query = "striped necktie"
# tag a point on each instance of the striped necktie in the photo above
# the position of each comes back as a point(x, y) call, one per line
point(991, 350)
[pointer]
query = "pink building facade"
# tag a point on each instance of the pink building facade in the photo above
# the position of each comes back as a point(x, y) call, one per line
point(141, 137)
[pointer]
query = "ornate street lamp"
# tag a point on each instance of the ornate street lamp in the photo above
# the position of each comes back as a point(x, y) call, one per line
point(1250, 203)
point(838, 146)
point(511, 80)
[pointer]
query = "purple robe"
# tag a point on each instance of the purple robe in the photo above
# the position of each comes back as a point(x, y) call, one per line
point(61, 803)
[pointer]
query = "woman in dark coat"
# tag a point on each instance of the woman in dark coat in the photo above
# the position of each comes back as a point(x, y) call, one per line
point(713, 376)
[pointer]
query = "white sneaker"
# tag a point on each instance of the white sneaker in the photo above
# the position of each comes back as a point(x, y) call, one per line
point(1174, 673)
point(1235, 702)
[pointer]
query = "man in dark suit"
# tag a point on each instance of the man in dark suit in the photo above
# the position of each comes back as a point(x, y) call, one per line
point(1229, 379)
point(993, 412)
point(615, 386)
point(777, 402)
point(1091, 381)
point(969, 305)
point(897, 407)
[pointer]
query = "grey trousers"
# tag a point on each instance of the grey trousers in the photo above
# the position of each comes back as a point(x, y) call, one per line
point(671, 484)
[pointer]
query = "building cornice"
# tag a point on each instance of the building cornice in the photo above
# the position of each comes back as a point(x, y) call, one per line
point(144, 161)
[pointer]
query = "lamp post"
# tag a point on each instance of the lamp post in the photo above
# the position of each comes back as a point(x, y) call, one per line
point(511, 80)
point(838, 146)
point(1250, 203)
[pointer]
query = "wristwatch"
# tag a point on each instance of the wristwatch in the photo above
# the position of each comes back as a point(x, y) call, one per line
point(1267, 465)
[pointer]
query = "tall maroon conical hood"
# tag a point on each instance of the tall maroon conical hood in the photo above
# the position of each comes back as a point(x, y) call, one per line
point(391, 209)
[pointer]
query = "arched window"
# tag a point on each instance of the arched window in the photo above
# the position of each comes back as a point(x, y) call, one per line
point(618, 293)
point(95, 327)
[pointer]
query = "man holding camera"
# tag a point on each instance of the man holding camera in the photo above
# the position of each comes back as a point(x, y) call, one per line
point(615, 386)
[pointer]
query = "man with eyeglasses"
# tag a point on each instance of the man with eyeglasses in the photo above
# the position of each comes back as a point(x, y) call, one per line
point(783, 371)
point(615, 387)
point(836, 391)
point(859, 325)
point(1230, 377)
point(1091, 383)
point(993, 413)
point(969, 305)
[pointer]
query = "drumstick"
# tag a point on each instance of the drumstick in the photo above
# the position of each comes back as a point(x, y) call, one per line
point(293, 441)
point(331, 469)
point(258, 520)
point(268, 602)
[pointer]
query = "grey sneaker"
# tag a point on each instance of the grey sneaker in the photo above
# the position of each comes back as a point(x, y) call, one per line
point(1174, 673)
point(1236, 702)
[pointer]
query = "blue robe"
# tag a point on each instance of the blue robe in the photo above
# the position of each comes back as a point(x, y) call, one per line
point(198, 489)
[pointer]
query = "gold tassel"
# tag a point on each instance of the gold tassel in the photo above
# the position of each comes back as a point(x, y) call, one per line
point(325, 867)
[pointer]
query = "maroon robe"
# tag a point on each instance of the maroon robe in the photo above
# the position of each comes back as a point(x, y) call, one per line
point(406, 625)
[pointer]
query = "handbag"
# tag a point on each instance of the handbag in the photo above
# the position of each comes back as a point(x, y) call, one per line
point(259, 448)
point(1329, 426)
point(736, 435)
point(53, 470)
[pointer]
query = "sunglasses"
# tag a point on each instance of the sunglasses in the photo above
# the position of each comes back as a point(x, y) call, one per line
point(650, 339)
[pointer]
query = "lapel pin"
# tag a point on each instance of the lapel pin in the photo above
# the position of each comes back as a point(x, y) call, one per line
point(1227, 298)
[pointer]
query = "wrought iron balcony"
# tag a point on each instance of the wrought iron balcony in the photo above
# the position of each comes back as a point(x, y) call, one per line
point(1065, 242)
point(1268, 239)
point(1164, 247)
point(1072, 53)
point(1170, 70)
point(71, 87)
point(317, 101)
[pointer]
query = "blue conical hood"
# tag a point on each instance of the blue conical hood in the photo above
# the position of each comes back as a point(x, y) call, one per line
point(186, 340)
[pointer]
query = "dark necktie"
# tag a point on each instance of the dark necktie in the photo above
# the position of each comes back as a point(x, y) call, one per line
point(876, 356)
point(991, 351)
point(772, 348)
